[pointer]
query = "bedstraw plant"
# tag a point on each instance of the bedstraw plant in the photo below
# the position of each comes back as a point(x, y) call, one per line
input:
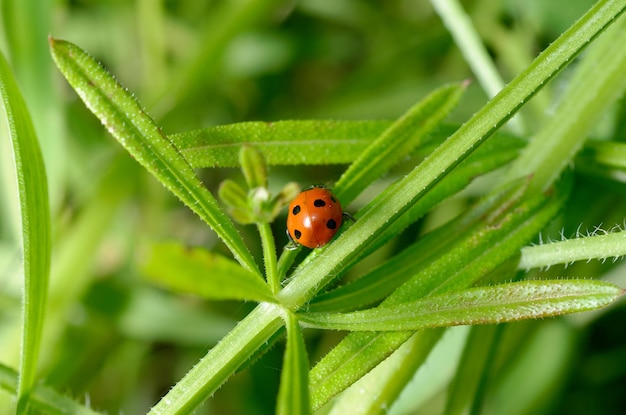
point(457, 224)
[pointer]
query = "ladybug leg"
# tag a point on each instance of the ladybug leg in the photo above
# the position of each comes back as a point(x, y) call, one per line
point(346, 215)
point(292, 245)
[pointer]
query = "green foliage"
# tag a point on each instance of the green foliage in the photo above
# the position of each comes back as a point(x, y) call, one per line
point(209, 275)
point(122, 115)
point(35, 214)
point(281, 142)
point(451, 210)
point(43, 399)
point(484, 305)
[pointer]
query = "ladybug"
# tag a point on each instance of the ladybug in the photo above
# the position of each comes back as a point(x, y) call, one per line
point(314, 217)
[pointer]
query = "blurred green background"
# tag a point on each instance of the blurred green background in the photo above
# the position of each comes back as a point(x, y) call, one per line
point(119, 343)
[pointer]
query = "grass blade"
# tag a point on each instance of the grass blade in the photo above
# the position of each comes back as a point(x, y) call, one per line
point(26, 24)
point(122, 115)
point(35, 215)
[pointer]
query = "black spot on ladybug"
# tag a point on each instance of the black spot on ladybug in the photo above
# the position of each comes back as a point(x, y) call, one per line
point(295, 210)
point(331, 224)
point(319, 203)
point(297, 234)
point(333, 199)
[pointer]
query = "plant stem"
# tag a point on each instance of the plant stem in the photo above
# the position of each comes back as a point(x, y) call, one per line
point(571, 250)
point(221, 361)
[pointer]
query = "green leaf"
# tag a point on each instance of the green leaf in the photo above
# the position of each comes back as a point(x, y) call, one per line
point(293, 397)
point(492, 235)
point(281, 142)
point(598, 82)
point(203, 273)
point(399, 197)
point(44, 399)
point(396, 142)
point(467, 39)
point(314, 274)
point(269, 256)
point(494, 153)
point(484, 305)
point(253, 166)
point(122, 115)
point(26, 23)
point(35, 214)
point(382, 280)
point(236, 200)
point(378, 388)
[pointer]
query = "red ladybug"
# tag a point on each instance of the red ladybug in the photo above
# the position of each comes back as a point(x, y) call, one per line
point(314, 217)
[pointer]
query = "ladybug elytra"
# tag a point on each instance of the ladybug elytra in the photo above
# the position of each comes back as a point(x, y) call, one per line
point(314, 217)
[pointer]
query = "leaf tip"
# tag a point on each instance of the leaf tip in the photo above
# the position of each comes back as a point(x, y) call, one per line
point(52, 41)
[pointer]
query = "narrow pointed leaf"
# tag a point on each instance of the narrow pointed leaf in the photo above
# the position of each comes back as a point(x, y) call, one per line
point(281, 142)
point(204, 378)
point(122, 115)
point(382, 280)
point(35, 215)
point(376, 389)
point(597, 83)
point(484, 305)
point(293, 397)
point(397, 141)
point(479, 251)
point(203, 273)
point(400, 196)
